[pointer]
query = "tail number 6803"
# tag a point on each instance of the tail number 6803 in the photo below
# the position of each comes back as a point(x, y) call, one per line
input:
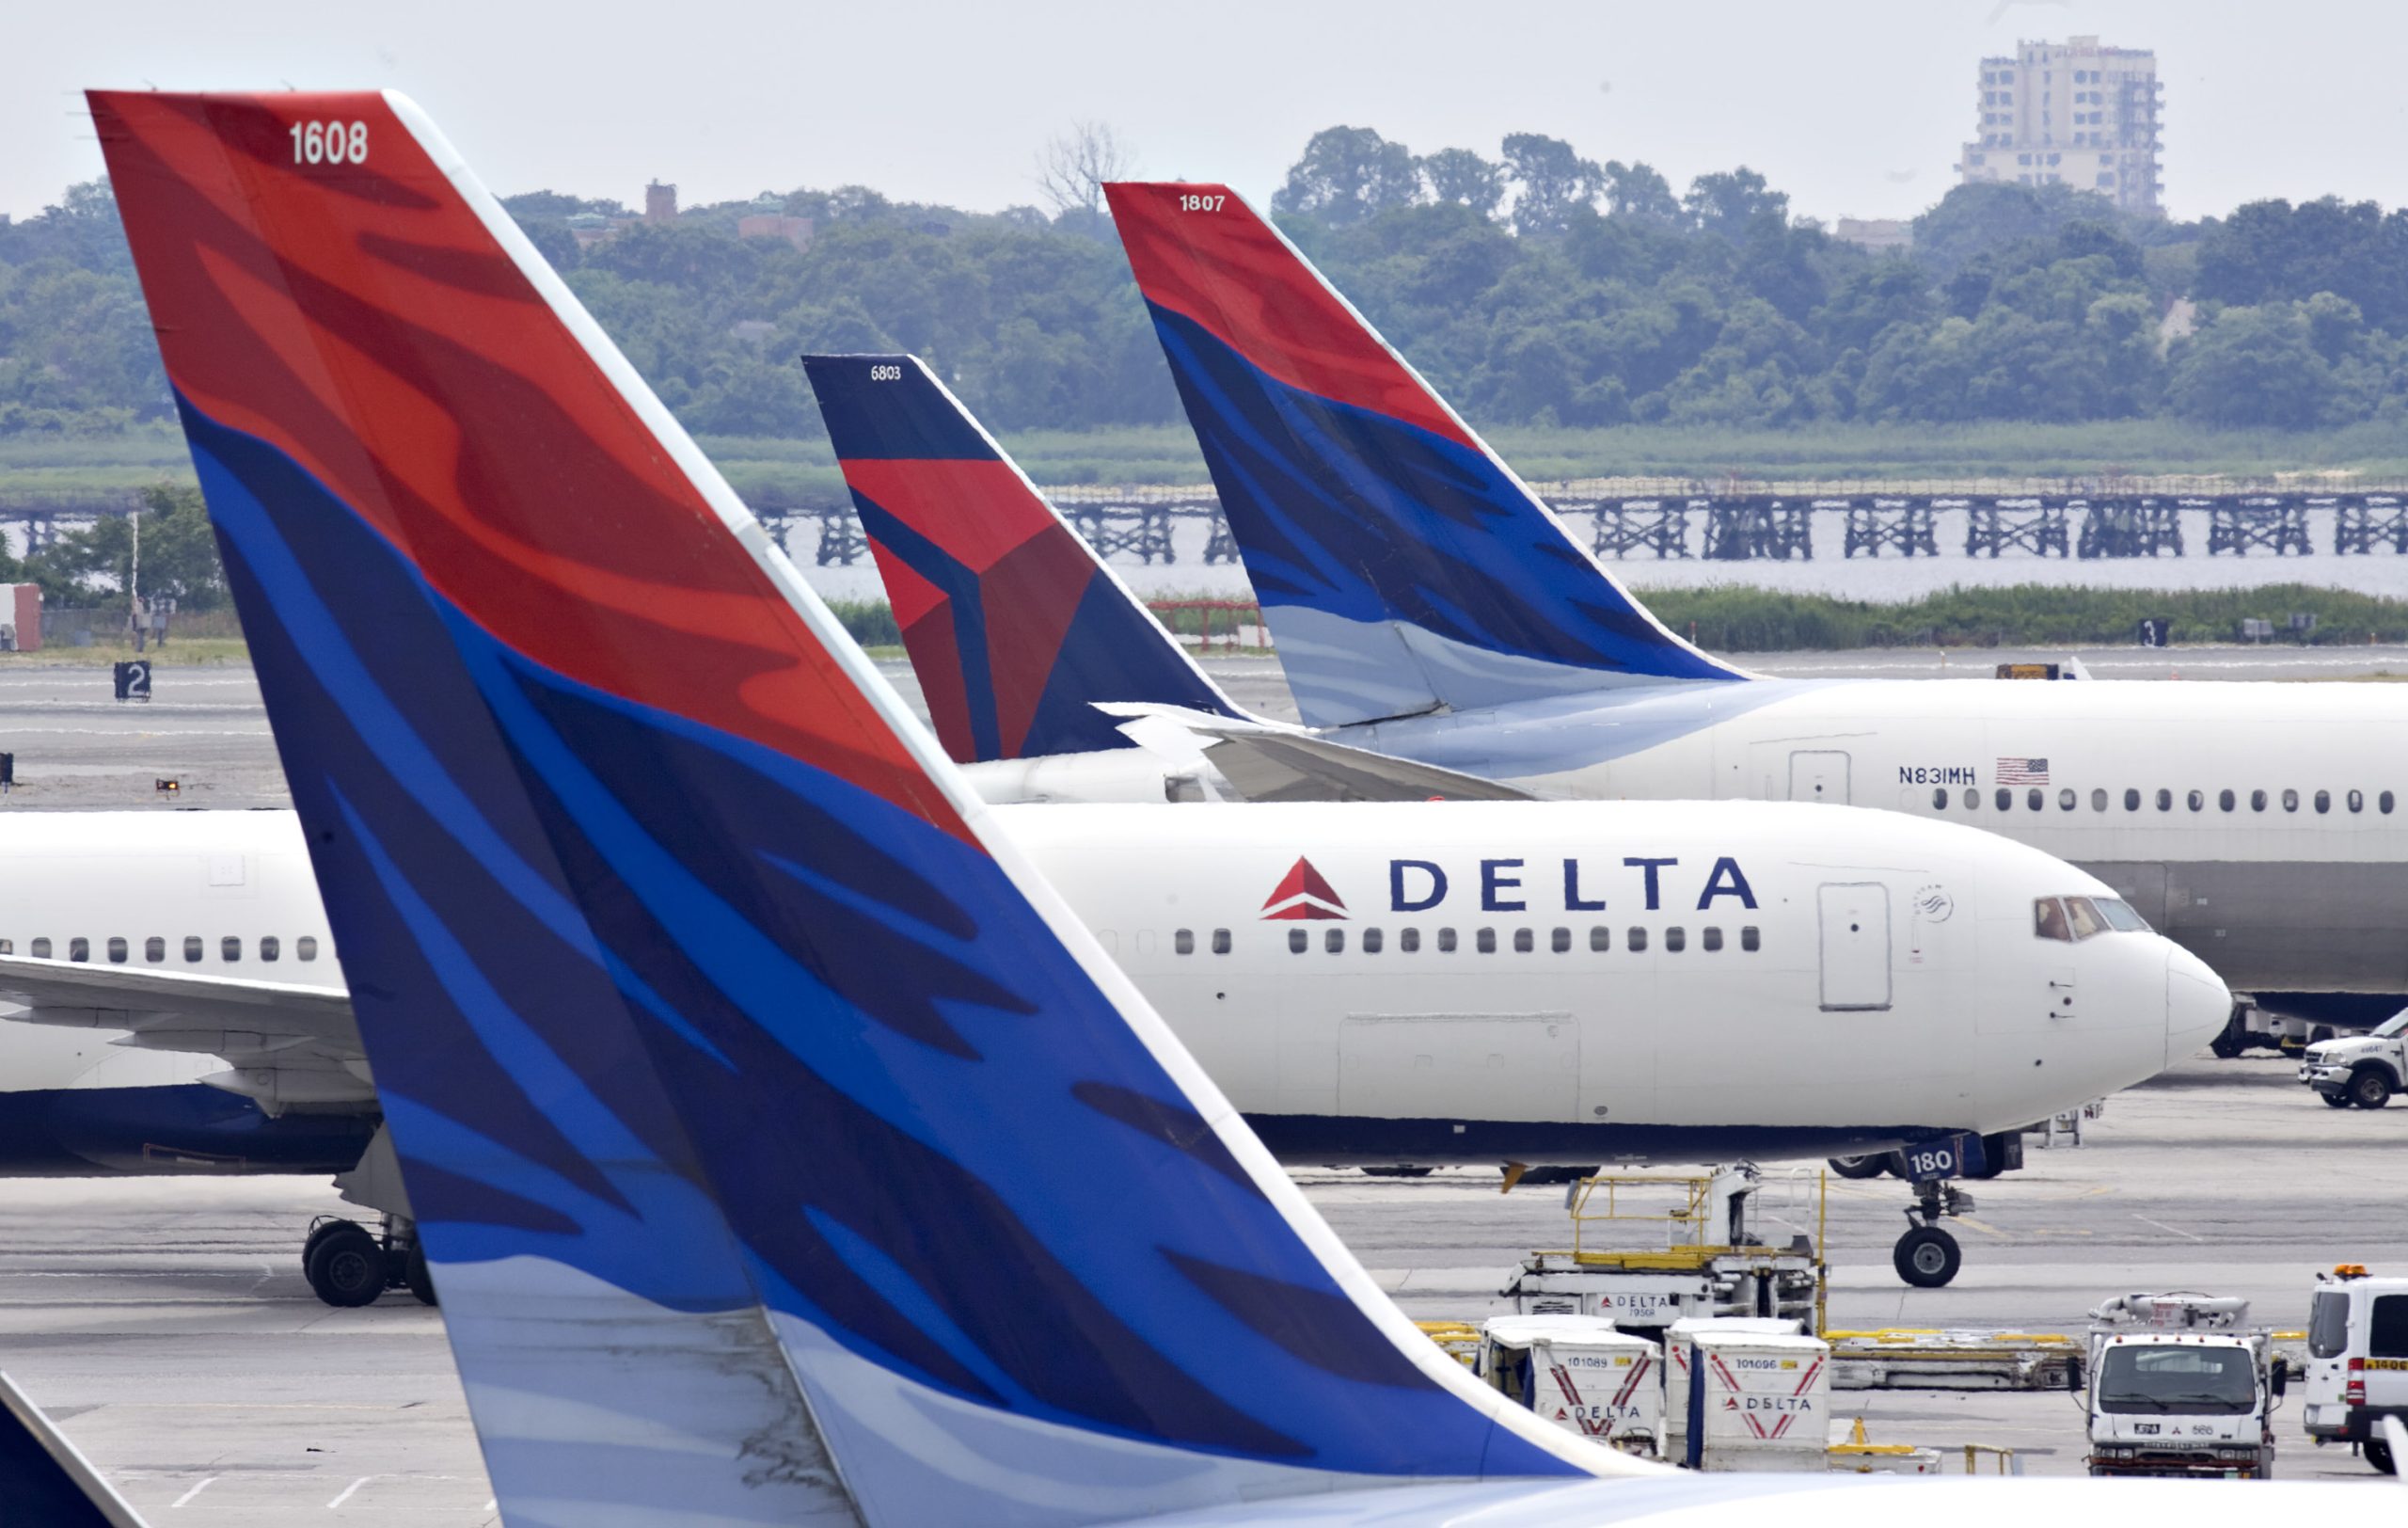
point(330, 143)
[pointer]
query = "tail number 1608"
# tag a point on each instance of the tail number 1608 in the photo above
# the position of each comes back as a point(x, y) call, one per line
point(330, 143)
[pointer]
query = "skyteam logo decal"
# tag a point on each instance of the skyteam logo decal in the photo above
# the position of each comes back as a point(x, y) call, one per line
point(1303, 896)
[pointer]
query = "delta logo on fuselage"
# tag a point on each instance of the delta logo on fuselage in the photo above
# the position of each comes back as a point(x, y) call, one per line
point(1514, 884)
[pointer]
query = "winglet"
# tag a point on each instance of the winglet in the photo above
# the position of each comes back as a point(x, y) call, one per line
point(783, 1147)
point(1401, 564)
point(45, 1479)
point(1016, 628)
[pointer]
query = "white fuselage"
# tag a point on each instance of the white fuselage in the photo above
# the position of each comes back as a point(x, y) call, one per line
point(2261, 825)
point(1397, 982)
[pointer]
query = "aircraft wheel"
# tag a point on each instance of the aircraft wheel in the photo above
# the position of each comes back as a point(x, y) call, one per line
point(2379, 1455)
point(422, 1283)
point(347, 1266)
point(1927, 1257)
point(319, 1231)
point(1861, 1167)
point(2338, 1100)
point(2370, 1088)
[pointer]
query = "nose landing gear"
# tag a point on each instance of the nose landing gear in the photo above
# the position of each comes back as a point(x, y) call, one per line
point(349, 1266)
point(1927, 1256)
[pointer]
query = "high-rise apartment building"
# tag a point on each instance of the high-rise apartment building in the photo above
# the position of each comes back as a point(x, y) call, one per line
point(2071, 113)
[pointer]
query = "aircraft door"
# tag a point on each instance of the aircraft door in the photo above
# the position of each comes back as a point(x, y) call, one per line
point(1818, 775)
point(1855, 918)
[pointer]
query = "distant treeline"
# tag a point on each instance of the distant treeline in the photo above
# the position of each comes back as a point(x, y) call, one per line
point(1537, 288)
point(1751, 620)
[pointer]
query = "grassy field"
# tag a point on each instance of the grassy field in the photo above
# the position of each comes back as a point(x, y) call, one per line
point(804, 472)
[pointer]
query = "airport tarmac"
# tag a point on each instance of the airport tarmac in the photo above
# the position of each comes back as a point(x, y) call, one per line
point(167, 1324)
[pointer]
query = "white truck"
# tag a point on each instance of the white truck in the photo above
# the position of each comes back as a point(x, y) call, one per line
point(2365, 1070)
point(2357, 1361)
point(2179, 1385)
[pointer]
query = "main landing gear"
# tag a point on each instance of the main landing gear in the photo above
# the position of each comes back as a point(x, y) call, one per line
point(349, 1266)
point(1927, 1256)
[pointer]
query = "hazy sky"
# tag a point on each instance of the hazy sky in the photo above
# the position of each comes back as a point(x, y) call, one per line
point(1853, 107)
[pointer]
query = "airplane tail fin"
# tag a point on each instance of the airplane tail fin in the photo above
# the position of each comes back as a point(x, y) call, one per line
point(44, 1478)
point(1401, 565)
point(782, 1147)
point(1016, 628)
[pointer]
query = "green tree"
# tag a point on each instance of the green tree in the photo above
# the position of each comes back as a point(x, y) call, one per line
point(1349, 174)
point(2250, 367)
point(1730, 202)
point(1461, 178)
point(1552, 179)
point(1638, 191)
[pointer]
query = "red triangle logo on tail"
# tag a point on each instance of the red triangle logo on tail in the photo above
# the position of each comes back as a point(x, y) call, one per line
point(1302, 895)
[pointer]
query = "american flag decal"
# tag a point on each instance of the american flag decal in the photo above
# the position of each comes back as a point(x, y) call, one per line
point(2023, 772)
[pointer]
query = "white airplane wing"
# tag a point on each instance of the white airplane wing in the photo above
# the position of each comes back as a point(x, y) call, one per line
point(284, 1044)
point(1266, 762)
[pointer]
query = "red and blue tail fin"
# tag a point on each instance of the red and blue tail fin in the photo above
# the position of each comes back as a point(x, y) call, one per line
point(1016, 628)
point(1401, 567)
point(44, 1479)
point(782, 1149)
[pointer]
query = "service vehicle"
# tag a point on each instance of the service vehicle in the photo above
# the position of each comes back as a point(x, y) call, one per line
point(1651, 1248)
point(2179, 1385)
point(2357, 1361)
point(2365, 1070)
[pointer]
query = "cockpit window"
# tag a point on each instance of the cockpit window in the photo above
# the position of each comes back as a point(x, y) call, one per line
point(2083, 914)
point(2119, 915)
point(2049, 919)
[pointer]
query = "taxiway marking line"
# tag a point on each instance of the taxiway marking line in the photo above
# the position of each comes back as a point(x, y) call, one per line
point(2171, 1231)
point(347, 1490)
point(195, 1491)
point(1986, 1230)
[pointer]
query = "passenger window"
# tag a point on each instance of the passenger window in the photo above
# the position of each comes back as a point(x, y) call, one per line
point(2290, 801)
point(270, 948)
point(2131, 800)
point(1677, 939)
point(117, 950)
point(1372, 940)
point(2064, 800)
point(2083, 918)
point(1446, 941)
point(2357, 801)
point(7, 946)
point(1972, 799)
point(154, 949)
point(1334, 941)
point(1712, 938)
point(2099, 801)
point(1637, 942)
point(2323, 802)
point(1749, 940)
point(2198, 801)
point(1524, 942)
point(2256, 801)
point(2165, 800)
point(1939, 798)
point(40, 950)
point(79, 949)
point(2224, 800)
point(192, 948)
point(1560, 940)
point(1487, 941)
point(1183, 941)
point(1298, 941)
point(1220, 945)
point(2049, 920)
point(1601, 939)
point(2383, 803)
point(1408, 940)
point(2005, 798)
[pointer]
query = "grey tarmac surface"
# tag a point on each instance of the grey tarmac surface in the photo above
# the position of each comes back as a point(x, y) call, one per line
point(167, 1324)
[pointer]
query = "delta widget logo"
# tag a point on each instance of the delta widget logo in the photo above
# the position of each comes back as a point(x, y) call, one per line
point(1303, 896)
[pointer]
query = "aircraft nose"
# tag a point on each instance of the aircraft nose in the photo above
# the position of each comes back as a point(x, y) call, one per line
point(2197, 1003)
